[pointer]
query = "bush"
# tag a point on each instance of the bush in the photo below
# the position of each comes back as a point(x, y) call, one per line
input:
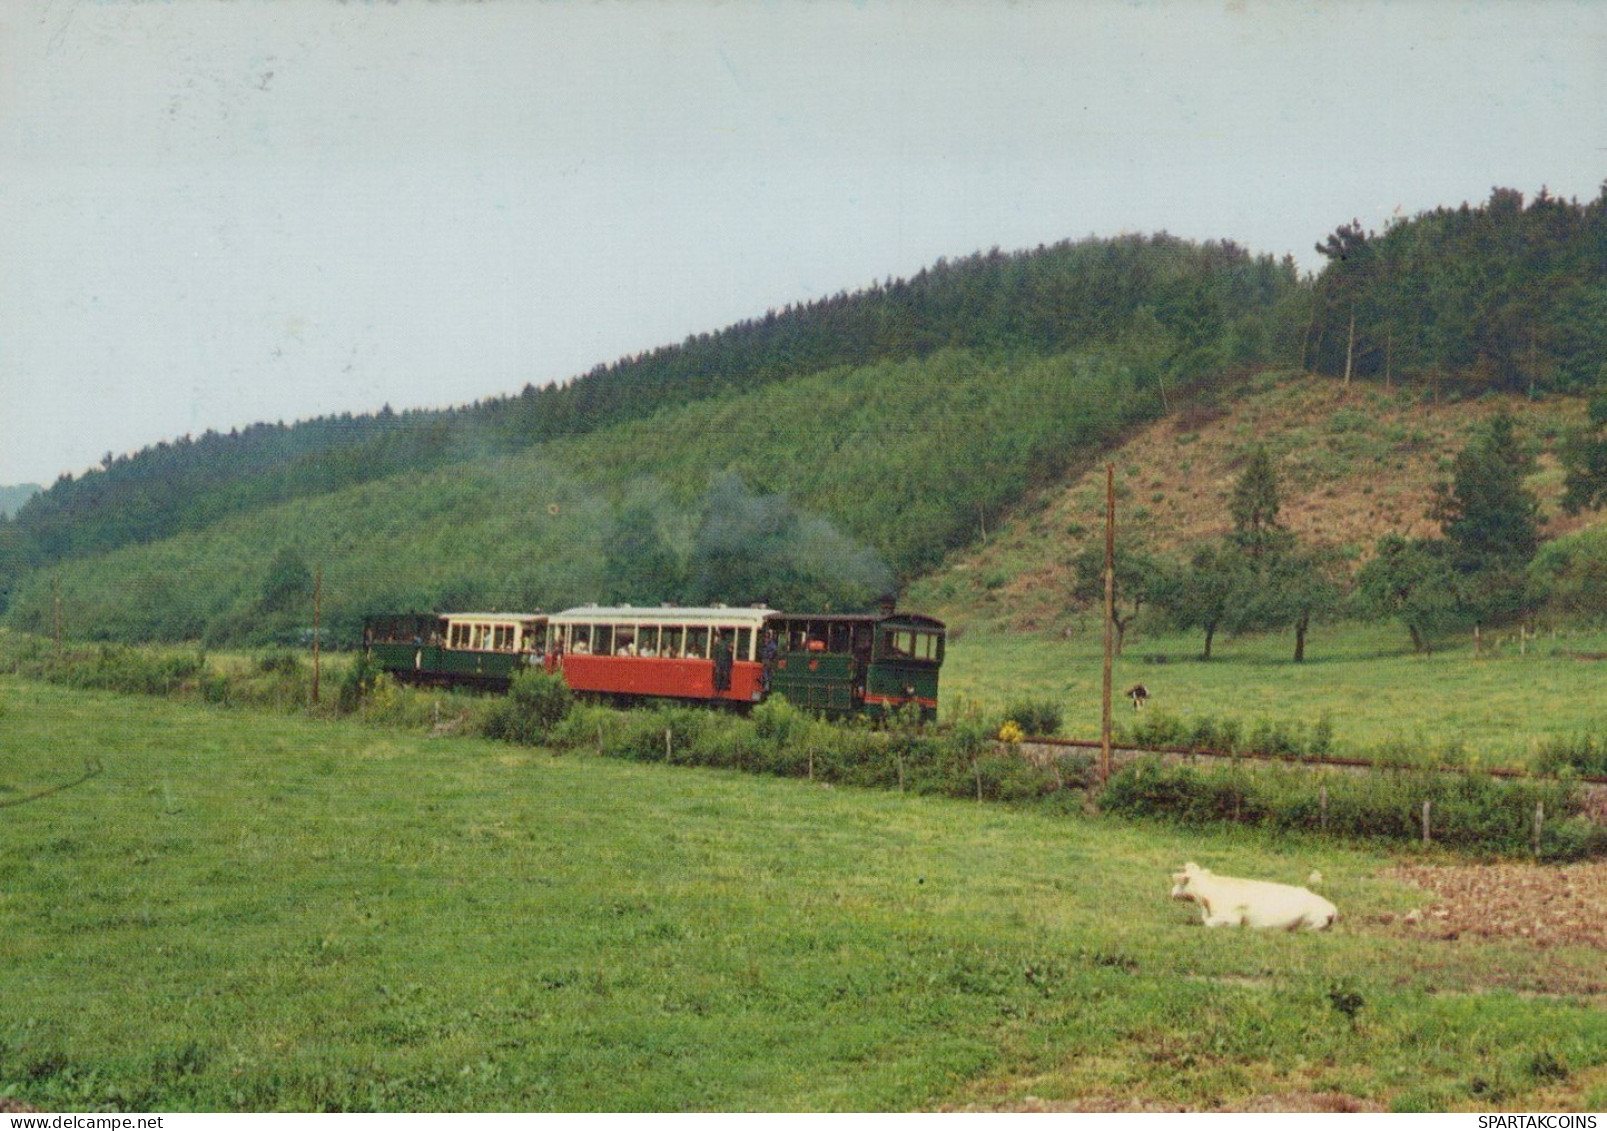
point(356, 685)
point(1581, 754)
point(535, 704)
point(118, 668)
point(1035, 716)
point(280, 661)
point(1157, 729)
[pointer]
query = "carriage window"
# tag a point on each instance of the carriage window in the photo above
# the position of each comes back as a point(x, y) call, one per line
point(625, 640)
point(697, 642)
point(744, 645)
point(647, 640)
point(914, 645)
point(580, 638)
point(602, 639)
point(670, 645)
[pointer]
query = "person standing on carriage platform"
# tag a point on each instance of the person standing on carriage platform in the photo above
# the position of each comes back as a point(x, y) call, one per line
point(768, 655)
point(722, 663)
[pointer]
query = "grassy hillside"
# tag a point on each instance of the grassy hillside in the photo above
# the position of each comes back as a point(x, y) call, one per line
point(246, 912)
point(1354, 463)
point(905, 460)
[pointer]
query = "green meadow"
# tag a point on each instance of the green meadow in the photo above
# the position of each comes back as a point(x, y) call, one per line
point(255, 911)
point(1490, 710)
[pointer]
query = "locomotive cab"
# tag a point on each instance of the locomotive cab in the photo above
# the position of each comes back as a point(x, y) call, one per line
point(841, 664)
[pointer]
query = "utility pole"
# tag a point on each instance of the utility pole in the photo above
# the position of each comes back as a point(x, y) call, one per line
point(1110, 619)
point(317, 609)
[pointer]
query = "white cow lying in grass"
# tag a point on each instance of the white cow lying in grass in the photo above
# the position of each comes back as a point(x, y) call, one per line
point(1229, 902)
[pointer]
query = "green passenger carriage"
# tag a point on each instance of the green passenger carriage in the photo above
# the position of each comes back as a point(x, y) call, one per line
point(469, 649)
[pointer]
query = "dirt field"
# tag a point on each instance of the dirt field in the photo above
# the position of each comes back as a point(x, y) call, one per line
point(1546, 907)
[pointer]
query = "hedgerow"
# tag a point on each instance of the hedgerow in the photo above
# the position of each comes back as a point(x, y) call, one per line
point(1465, 810)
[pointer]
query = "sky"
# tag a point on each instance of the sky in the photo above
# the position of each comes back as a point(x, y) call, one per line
point(218, 213)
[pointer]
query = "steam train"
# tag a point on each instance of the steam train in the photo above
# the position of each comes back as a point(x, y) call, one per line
point(832, 663)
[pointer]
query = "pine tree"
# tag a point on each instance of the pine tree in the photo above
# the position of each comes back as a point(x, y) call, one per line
point(1254, 505)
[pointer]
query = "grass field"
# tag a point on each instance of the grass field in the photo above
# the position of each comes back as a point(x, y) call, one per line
point(253, 911)
point(1366, 679)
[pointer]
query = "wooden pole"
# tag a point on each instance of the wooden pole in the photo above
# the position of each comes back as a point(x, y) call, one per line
point(55, 592)
point(1110, 621)
point(317, 610)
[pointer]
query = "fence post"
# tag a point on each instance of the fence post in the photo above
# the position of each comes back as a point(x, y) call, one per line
point(1426, 837)
point(1322, 801)
point(976, 768)
point(1539, 824)
point(901, 771)
point(669, 748)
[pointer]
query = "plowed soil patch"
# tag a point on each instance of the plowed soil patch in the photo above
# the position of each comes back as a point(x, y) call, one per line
point(1543, 906)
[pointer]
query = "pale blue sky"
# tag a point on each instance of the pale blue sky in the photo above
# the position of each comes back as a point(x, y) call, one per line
point(218, 213)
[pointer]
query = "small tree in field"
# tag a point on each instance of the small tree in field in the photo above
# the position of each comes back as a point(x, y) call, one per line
point(1413, 580)
point(1297, 587)
point(1211, 592)
point(1137, 575)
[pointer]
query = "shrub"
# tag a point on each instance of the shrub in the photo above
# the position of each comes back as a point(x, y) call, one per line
point(1035, 716)
point(280, 661)
point(1581, 754)
point(118, 668)
point(535, 704)
point(355, 685)
point(1274, 739)
point(1008, 777)
point(1158, 729)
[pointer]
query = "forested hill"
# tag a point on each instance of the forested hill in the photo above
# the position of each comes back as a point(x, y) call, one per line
point(1196, 307)
point(12, 498)
point(1503, 297)
point(950, 394)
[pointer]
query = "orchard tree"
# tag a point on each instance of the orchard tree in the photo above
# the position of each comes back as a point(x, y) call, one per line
point(1137, 575)
point(1211, 592)
point(1299, 587)
point(1413, 580)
